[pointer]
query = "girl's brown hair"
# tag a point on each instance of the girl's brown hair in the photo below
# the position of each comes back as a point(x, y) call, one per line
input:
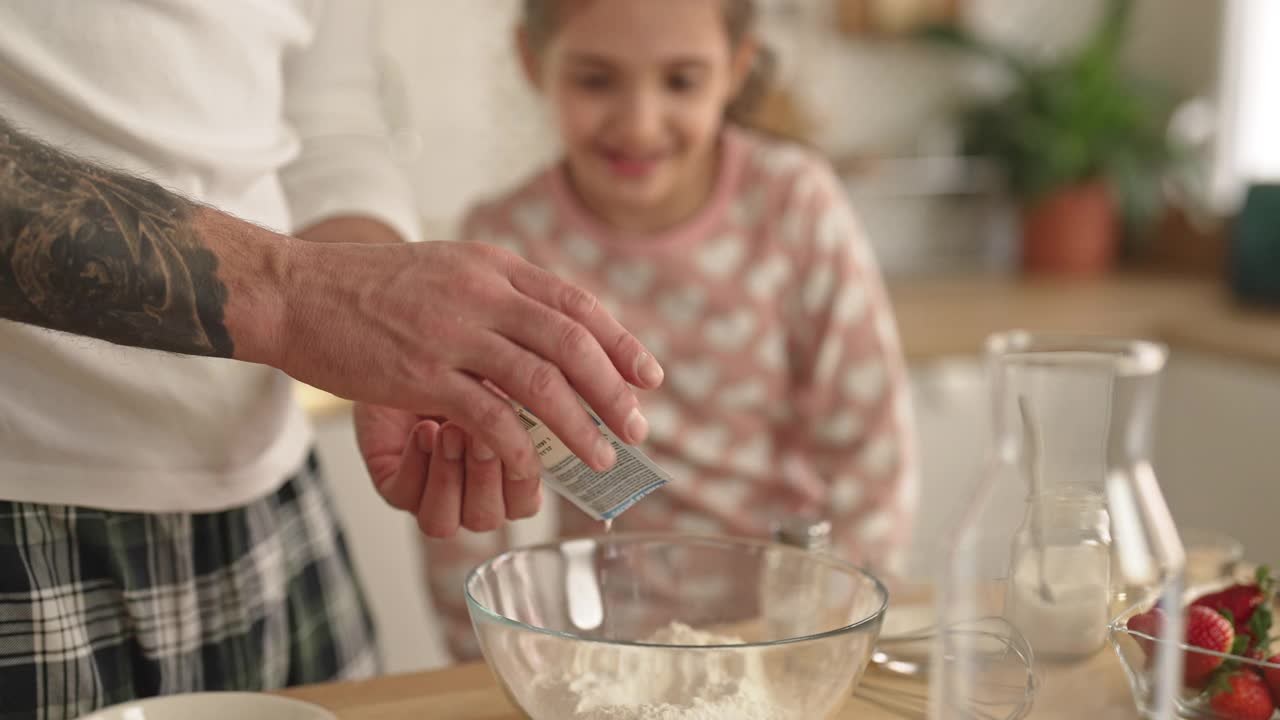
point(541, 18)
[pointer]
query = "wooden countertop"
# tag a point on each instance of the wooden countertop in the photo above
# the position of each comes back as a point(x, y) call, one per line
point(1096, 689)
point(951, 316)
point(470, 692)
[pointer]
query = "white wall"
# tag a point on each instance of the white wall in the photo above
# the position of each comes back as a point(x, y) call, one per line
point(1249, 146)
point(877, 96)
point(480, 128)
point(1177, 43)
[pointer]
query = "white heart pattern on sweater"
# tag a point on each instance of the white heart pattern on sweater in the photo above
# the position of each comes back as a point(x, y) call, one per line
point(753, 457)
point(706, 444)
point(682, 307)
point(840, 429)
point(865, 382)
point(582, 250)
point(721, 257)
point(730, 332)
point(766, 278)
point(694, 380)
point(747, 395)
point(533, 218)
point(633, 279)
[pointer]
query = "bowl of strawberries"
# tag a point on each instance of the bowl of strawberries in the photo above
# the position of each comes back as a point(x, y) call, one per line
point(1230, 670)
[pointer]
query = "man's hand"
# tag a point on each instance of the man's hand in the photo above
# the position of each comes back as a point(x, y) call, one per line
point(414, 466)
point(463, 489)
point(421, 327)
point(399, 447)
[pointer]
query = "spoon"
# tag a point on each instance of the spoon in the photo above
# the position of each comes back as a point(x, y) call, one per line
point(1032, 455)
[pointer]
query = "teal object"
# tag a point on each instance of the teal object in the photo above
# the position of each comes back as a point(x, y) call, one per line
point(1254, 263)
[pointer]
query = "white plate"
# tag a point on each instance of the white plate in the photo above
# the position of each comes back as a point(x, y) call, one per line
point(213, 706)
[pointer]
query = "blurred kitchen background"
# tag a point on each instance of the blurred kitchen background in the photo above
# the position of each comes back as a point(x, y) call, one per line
point(990, 146)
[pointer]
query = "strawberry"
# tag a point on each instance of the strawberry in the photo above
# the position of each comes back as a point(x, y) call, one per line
point(1239, 600)
point(1247, 605)
point(1242, 696)
point(1272, 677)
point(1209, 630)
point(1149, 623)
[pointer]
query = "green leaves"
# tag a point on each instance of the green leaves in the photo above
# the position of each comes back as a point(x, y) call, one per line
point(1074, 120)
point(1260, 622)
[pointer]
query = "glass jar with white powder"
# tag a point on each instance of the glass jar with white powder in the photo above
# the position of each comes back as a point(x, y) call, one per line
point(1060, 574)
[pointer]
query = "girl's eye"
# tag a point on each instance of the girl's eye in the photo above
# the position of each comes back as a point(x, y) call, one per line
point(595, 82)
point(682, 82)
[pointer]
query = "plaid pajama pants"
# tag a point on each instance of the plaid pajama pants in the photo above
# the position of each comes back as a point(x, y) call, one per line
point(99, 607)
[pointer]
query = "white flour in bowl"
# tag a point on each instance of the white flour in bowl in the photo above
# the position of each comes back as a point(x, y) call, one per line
point(607, 682)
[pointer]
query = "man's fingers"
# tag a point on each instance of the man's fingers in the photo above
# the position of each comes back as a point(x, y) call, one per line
point(541, 387)
point(424, 436)
point(628, 356)
point(483, 508)
point(381, 433)
point(523, 496)
point(404, 489)
point(440, 509)
point(568, 348)
point(487, 417)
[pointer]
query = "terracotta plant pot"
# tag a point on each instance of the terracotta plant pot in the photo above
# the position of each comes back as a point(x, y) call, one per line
point(1072, 231)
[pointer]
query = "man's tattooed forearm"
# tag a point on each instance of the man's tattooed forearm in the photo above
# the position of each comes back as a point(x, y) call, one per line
point(94, 252)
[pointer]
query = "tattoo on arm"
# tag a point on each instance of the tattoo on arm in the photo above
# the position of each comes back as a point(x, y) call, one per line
point(95, 252)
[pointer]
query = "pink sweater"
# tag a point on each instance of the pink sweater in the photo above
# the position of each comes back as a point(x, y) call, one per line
point(785, 391)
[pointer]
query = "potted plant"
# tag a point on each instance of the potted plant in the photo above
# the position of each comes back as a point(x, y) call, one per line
point(1081, 144)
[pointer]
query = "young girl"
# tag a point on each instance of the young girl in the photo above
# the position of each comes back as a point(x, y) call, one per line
point(735, 259)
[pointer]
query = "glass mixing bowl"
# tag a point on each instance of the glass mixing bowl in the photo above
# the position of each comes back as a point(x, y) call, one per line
point(632, 627)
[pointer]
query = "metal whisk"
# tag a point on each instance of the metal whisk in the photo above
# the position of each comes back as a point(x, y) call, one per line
point(1005, 692)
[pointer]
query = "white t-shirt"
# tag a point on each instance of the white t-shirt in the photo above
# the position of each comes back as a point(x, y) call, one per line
point(269, 110)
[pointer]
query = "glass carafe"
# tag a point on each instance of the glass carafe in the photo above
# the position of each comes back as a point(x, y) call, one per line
point(1066, 527)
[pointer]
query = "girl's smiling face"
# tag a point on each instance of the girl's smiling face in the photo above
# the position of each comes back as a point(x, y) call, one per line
point(639, 90)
